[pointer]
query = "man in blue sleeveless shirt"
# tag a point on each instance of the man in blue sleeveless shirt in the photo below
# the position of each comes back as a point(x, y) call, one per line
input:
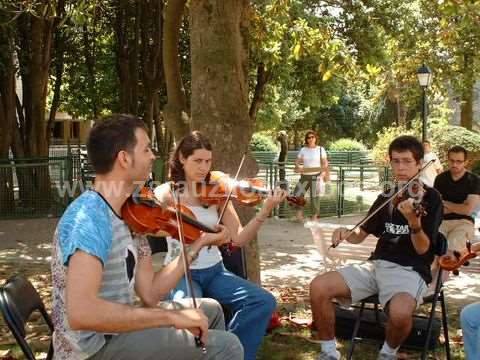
point(98, 266)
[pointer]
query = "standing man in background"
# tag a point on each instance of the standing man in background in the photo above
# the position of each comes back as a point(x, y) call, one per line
point(430, 173)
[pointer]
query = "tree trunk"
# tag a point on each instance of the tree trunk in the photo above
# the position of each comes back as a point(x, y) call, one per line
point(151, 59)
point(127, 52)
point(219, 47)
point(7, 119)
point(59, 48)
point(7, 94)
point(34, 53)
point(466, 107)
point(263, 77)
point(175, 112)
point(41, 39)
point(90, 62)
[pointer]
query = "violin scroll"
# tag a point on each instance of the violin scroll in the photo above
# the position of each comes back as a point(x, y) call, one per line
point(453, 263)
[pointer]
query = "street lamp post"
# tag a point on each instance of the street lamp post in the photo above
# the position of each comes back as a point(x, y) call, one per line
point(424, 76)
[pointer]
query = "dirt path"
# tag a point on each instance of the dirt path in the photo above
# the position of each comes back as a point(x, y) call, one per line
point(290, 258)
point(289, 255)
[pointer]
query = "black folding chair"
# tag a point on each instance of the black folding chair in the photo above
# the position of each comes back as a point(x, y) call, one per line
point(18, 300)
point(438, 296)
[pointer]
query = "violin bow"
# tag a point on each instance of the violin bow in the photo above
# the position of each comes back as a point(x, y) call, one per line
point(188, 276)
point(373, 213)
point(225, 204)
point(230, 191)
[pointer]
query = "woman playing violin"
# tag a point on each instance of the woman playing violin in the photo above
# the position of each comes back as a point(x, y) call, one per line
point(398, 269)
point(252, 306)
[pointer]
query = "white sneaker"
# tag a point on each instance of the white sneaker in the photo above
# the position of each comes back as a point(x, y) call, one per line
point(384, 356)
point(325, 356)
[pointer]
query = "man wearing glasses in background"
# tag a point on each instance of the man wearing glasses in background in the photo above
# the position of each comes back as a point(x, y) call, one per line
point(460, 190)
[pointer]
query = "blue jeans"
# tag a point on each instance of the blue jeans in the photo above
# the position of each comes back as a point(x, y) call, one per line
point(252, 306)
point(470, 321)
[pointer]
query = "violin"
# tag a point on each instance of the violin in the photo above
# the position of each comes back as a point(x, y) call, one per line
point(248, 192)
point(453, 263)
point(144, 214)
point(415, 191)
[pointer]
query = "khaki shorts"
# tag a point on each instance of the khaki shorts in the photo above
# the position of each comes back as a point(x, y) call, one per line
point(383, 278)
point(457, 233)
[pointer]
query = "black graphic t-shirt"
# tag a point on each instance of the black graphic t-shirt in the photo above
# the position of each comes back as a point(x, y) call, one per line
point(457, 191)
point(394, 243)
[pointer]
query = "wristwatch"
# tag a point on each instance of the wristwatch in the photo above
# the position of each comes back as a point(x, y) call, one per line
point(415, 230)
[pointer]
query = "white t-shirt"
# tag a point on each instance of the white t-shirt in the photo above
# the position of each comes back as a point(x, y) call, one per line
point(430, 173)
point(311, 157)
point(206, 257)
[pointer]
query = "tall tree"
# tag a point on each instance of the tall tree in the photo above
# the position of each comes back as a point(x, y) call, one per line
point(7, 109)
point(35, 29)
point(175, 112)
point(219, 47)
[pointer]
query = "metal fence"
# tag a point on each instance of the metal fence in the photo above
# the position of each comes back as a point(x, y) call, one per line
point(41, 187)
point(334, 157)
point(352, 188)
point(34, 187)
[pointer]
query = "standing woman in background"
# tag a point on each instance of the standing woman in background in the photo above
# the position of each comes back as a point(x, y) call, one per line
point(251, 305)
point(314, 157)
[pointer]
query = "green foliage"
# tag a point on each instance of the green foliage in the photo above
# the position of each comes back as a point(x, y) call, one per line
point(444, 137)
point(385, 137)
point(476, 167)
point(262, 142)
point(441, 136)
point(346, 144)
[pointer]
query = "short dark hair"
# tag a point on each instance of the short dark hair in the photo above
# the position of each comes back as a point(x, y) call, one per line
point(407, 143)
point(189, 143)
point(458, 149)
point(310, 132)
point(110, 136)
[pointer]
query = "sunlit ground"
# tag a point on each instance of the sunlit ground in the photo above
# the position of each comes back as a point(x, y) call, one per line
point(290, 257)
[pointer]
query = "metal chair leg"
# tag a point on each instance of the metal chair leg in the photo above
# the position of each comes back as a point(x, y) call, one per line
point(355, 331)
point(436, 295)
point(445, 324)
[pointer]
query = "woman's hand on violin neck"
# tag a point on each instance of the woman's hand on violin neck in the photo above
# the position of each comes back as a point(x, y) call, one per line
point(193, 320)
point(274, 198)
point(216, 239)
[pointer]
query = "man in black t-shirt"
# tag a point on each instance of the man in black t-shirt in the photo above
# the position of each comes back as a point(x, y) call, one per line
point(460, 190)
point(399, 268)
